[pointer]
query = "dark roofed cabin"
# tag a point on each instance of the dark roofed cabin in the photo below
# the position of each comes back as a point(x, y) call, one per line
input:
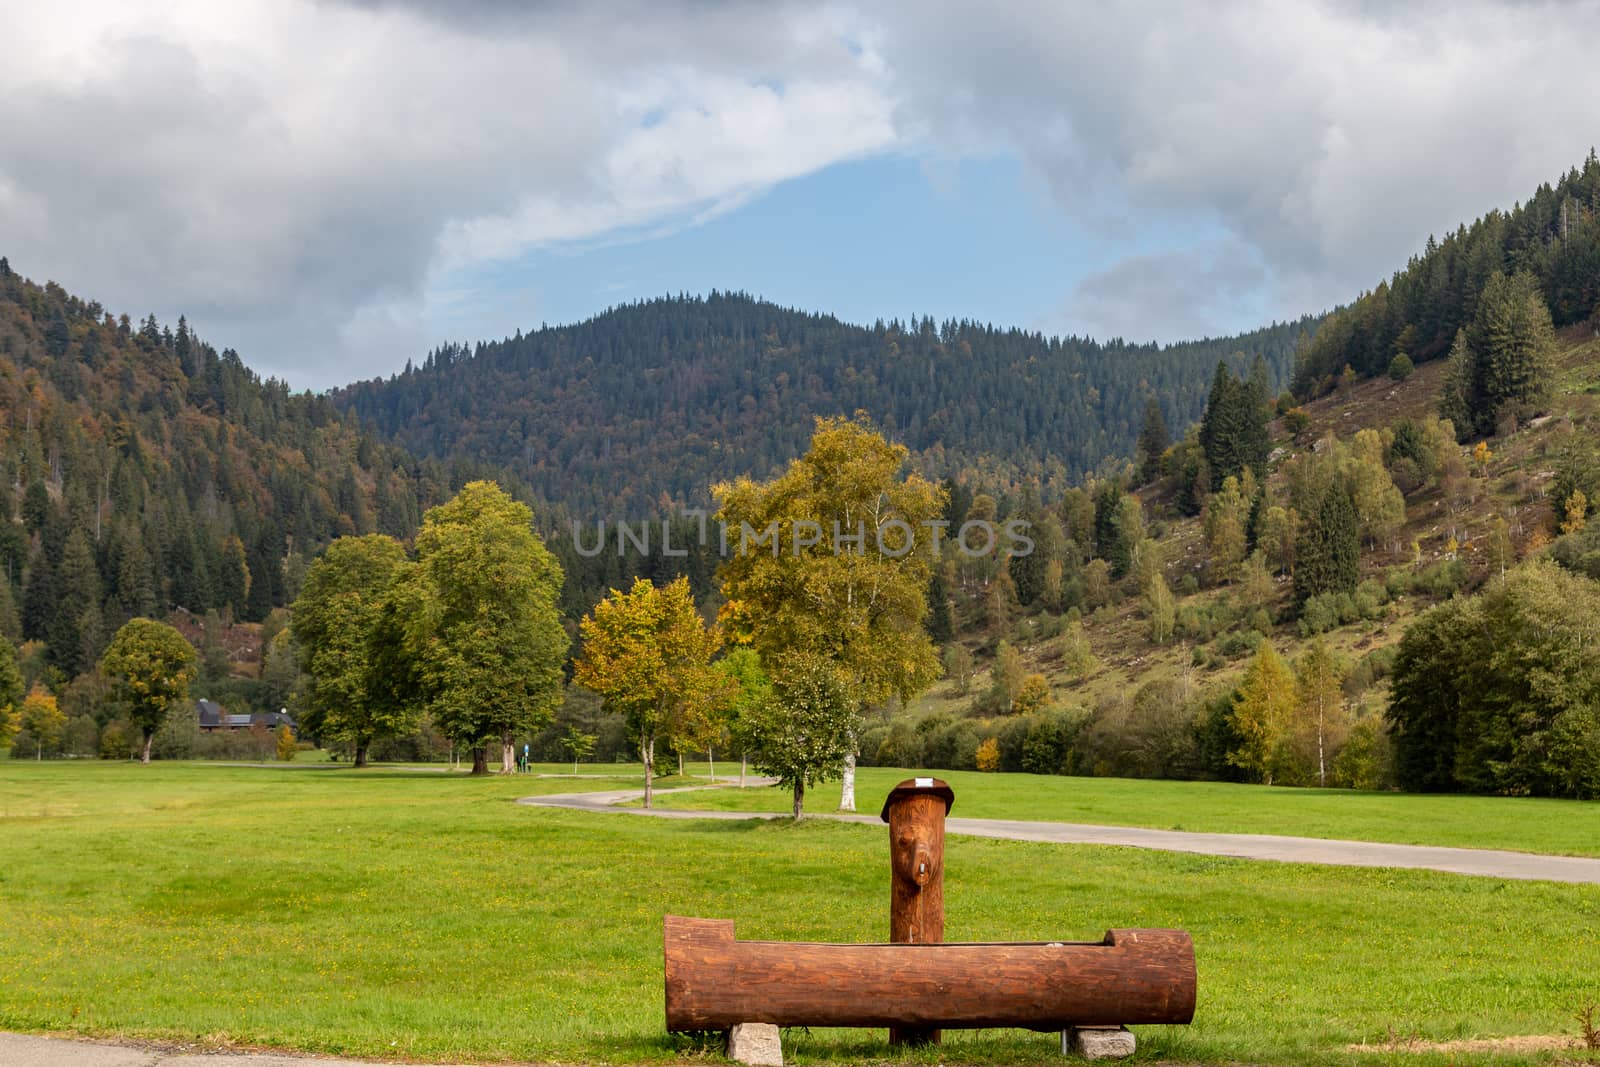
point(212, 717)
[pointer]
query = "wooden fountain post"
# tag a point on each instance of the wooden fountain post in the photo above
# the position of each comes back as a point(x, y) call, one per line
point(915, 811)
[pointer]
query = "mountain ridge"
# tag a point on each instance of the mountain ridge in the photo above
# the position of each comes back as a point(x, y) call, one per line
point(704, 388)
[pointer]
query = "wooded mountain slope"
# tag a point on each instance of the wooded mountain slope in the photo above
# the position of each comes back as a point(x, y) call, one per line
point(142, 471)
point(1554, 236)
point(663, 398)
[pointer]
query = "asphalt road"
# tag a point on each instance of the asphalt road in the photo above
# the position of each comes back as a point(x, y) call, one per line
point(1480, 862)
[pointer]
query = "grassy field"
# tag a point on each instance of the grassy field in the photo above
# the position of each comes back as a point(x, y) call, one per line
point(424, 915)
point(1521, 824)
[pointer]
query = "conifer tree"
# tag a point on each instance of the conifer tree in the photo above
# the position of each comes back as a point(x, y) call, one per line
point(1154, 440)
point(73, 639)
point(939, 624)
point(10, 620)
point(1233, 430)
point(1328, 549)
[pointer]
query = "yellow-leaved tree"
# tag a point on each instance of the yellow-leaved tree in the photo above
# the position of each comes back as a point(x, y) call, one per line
point(648, 654)
point(1263, 710)
point(830, 562)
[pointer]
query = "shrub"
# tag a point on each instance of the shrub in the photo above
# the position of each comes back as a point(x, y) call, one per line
point(1047, 748)
point(1327, 611)
point(1295, 420)
point(81, 737)
point(902, 746)
point(1371, 596)
point(285, 744)
point(989, 755)
point(950, 745)
point(1012, 735)
point(115, 740)
point(1366, 760)
point(1400, 367)
point(1443, 579)
point(1369, 670)
point(1398, 581)
point(1236, 643)
point(1259, 622)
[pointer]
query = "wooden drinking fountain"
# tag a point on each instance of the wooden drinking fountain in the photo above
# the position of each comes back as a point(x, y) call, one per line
point(917, 985)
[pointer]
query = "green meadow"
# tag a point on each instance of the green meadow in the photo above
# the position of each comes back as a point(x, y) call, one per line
point(1520, 824)
point(424, 915)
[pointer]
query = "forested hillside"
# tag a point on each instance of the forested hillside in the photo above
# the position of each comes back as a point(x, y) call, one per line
point(666, 397)
point(142, 471)
point(1554, 237)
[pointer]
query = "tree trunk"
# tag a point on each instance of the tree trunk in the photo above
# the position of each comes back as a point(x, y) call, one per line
point(847, 787)
point(711, 762)
point(361, 754)
point(799, 798)
point(508, 754)
point(480, 759)
point(743, 760)
point(1322, 771)
point(647, 749)
point(144, 756)
point(680, 765)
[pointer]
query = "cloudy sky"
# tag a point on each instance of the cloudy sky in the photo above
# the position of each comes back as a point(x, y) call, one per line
point(334, 187)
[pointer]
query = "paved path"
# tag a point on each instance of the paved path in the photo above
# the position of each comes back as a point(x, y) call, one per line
point(1487, 863)
point(21, 1050)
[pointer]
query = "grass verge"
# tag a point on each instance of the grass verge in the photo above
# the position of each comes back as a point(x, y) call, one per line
point(391, 913)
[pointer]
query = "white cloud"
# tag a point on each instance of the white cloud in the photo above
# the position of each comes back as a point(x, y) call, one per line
point(1328, 139)
point(292, 174)
point(300, 176)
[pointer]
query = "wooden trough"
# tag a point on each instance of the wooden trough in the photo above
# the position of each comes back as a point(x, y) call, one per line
point(715, 982)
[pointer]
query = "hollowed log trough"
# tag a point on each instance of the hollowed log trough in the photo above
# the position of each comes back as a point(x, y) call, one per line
point(1130, 977)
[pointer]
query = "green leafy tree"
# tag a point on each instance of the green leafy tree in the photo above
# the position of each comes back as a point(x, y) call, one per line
point(1076, 654)
point(477, 618)
point(751, 687)
point(958, 667)
point(1380, 506)
point(1318, 683)
point(1226, 513)
point(648, 654)
point(579, 745)
point(1495, 693)
point(1263, 710)
point(1160, 610)
point(334, 622)
point(1005, 678)
point(858, 604)
point(11, 692)
point(801, 734)
point(150, 667)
